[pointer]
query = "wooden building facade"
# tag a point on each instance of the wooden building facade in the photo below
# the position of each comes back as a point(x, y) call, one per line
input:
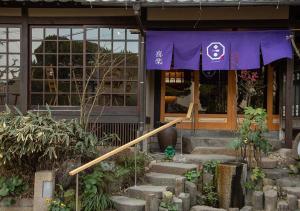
point(48, 51)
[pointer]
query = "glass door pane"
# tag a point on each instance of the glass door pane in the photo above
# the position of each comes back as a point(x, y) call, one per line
point(213, 92)
point(252, 89)
point(178, 91)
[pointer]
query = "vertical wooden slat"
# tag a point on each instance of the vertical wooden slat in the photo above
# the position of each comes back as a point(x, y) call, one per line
point(231, 101)
point(288, 103)
point(24, 60)
point(270, 97)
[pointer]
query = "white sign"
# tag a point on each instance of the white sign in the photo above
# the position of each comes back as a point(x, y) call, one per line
point(215, 51)
point(159, 57)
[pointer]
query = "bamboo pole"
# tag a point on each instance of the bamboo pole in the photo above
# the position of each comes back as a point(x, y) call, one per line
point(135, 141)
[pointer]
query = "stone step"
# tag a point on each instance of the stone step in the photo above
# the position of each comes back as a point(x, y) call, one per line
point(141, 191)
point(172, 167)
point(292, 181)
point(200, 159)
point(276, 173)
point(125, 203)
point(162, 179)
point(292, 190)
point(214, 150)
point(268, 163)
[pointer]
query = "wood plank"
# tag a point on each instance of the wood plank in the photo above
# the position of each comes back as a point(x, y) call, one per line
point(270, 96)
point(231, 101)
point(288, 104)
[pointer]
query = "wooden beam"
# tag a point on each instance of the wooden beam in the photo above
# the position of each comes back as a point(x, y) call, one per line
point(24, 66)
point(289, 103)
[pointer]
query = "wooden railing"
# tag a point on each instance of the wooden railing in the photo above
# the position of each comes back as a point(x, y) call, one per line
point(132, 143)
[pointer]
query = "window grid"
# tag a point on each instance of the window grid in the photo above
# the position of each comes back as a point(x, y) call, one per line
point(9, 65)
point(124, 76)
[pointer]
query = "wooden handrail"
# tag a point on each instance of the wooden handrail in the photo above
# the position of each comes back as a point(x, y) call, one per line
point(131, 143)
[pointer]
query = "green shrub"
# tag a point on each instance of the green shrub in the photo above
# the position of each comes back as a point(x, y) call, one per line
point(36, 140)
point(209, 195)
point(255, 180)
point(211, 166)
point(250, 141)
point(192, 175)
point(10, 188)
point(169, 152)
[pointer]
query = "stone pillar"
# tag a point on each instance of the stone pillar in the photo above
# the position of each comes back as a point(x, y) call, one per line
point(258, 200)
point(44, 183)
point(270, 200)
point(191, 188)
point(152, 202)
point(292, 202)
point(179, 185)
point(186, 204)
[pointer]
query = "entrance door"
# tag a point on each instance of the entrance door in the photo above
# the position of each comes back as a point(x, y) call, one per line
point(219, 96)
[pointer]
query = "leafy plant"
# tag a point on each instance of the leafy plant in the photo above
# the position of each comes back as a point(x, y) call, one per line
point(250, 141)
point(211, 166)
point(57, 205)
point(169, 152)
point(167, 201)
point(36, 139)
point(192, 175)
point(209, 195)
point(10, 188)
point(255, 181)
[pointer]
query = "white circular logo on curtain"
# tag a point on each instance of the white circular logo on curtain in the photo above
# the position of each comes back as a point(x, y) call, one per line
point(215, 51)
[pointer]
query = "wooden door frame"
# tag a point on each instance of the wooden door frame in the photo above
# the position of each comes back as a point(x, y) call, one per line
point(231, 117)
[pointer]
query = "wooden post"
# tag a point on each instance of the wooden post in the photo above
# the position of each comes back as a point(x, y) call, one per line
point(289, 103)
point(24, 66)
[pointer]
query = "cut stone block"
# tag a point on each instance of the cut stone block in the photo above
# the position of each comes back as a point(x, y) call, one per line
point(246, 208)
point(270, 200)
point(162, 179)
point(282, 206)
point(268, 163)
point(205, 208)
point(292, 190)
point(124, 203)
point(292, 202)
point(152, 203)
point(44, 183)
point(214, 150)
point(233, 209)
point(288, 182)
point(185, 197)
point(258, 200)
point(199, 158)
point(191, 188)
point(179, 185)
point(178, 203)
point(276, 173)
point(141, 191)
point(173, 168)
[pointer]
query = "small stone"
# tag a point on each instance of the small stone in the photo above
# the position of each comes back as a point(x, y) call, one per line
point(246, 208)
point(267, 181)
point(179, 185)
point(258, 200)
point(205, 208)
point(185, 197)
point(270, 200)
point(162, 209)
point(282, 206)
point(191, 188)
point(267, 187)
point(292, 202)
point(178, 203)
point(233, 209)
